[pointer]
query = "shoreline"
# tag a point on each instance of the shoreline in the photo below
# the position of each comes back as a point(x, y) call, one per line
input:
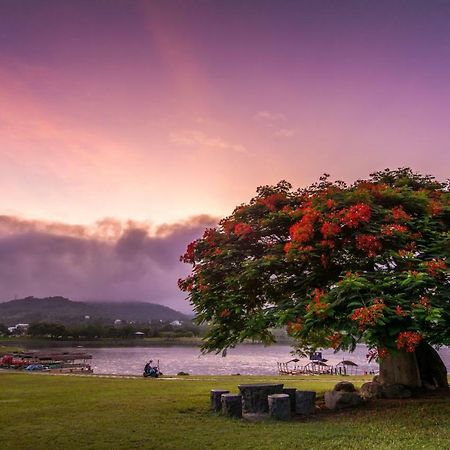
point(28, 343)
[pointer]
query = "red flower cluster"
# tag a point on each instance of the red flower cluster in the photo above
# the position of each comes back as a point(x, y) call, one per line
point(435, 267)
point(327, 243)
point(210, 237)
point(349, 276)
point(399, 311)
point(271, 202)
point(424, 302)
point(225, 313)
point(369, 244)
point(368, 315)
point(302, 231)
point(435, 208)
point(300, 248)
point(331, 203)
point(324, 261)
point(392, 228)
point(186, 284)
point(400, 215)
point(228, 226)
point(189, 256)
point(408, 340)
point(294, 327)
point(330, 229)
point(355, 215)
point(335, 340)
point(242, 229)
point(319, 305)
point(379, 353)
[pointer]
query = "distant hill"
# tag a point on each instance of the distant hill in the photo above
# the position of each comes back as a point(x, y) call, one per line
point(65, 311)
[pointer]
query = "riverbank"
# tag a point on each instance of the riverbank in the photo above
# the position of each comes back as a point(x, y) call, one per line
point(54, 412)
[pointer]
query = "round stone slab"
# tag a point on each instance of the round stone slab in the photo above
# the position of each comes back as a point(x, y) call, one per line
point(279, 406)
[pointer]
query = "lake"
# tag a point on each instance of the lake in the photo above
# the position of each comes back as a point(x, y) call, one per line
point(246, 359)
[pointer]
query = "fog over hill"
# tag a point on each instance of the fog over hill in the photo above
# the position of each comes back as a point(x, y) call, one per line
point(65, 311)
point(110, 260)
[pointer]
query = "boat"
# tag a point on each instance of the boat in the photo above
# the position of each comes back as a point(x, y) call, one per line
point(64, 362)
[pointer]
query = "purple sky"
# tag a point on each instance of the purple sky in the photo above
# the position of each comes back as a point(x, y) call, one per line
point(159, 111)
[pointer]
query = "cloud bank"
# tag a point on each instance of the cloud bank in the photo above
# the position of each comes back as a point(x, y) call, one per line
point(111, 261)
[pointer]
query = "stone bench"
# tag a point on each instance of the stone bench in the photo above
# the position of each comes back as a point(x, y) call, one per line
point(279, 406)
point(231, 405)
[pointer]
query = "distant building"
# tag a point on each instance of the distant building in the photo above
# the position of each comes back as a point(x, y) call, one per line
point(20, 328)
point(118, 322)
point(176, 323)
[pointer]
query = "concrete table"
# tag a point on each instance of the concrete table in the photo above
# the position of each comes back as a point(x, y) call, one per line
point(254, 396)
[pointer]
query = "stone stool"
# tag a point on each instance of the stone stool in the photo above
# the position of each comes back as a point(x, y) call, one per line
point(291, 392)
point(279, 406)
point(232, 405)
point(216, 401)
point(305, 403)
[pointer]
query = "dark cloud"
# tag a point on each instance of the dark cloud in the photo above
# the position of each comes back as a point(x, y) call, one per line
point(109, 261)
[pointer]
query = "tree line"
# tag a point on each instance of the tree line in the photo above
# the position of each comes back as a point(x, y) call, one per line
point(99, 330)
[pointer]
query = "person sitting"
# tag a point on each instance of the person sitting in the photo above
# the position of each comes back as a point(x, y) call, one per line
point(148, 366)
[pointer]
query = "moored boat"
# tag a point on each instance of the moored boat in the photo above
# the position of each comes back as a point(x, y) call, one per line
point(64, 362)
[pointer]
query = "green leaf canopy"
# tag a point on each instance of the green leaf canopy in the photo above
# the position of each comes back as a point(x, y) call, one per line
point(336, 264)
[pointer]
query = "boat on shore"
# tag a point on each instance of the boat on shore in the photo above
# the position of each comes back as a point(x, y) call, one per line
point(63, 362)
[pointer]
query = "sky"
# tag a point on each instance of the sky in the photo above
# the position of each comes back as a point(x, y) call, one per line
point(127, 127)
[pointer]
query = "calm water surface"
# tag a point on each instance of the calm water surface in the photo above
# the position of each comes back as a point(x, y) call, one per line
point(247, 359)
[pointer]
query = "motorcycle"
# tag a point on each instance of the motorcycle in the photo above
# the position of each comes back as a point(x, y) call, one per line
point(152, 371)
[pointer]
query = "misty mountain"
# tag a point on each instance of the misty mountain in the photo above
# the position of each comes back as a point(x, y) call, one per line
point(65, 311)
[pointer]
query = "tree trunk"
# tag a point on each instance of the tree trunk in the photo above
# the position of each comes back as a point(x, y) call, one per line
point(423, 368)
point(400, 368)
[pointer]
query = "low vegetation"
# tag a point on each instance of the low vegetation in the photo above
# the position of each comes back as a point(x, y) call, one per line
point(54, 412)
point(57, 331)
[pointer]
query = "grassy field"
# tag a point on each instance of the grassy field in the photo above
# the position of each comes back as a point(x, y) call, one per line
point(69, 412)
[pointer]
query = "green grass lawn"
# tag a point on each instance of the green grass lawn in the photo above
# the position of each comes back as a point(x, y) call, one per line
point(67, 412)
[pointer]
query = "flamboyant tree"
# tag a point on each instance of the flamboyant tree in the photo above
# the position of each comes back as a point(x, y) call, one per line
point(336, 265)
